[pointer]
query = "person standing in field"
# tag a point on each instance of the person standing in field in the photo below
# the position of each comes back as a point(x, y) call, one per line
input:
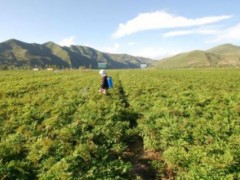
point(104, 83)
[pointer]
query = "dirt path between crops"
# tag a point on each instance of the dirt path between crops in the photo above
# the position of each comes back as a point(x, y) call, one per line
point(135, 153)
point(141, 160)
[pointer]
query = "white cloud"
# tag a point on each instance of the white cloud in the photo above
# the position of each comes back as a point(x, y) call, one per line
point(156, 53)
point(178, 33)
point(213, 31)
point(230, 34)
point(188, 32)
point(131, 43)
point(111, 49)
point(67, 41)
point(86, 44)
point(148, 52)
point(160, 20)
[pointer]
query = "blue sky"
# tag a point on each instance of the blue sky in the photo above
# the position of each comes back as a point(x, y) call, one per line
point(149, 28)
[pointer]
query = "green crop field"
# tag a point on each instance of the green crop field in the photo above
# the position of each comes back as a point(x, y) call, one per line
point(154, 124)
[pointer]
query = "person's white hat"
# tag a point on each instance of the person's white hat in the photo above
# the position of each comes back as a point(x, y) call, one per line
point(102, 72)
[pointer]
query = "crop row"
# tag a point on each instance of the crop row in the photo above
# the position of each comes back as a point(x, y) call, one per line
point(191, 118)
point(58, 126)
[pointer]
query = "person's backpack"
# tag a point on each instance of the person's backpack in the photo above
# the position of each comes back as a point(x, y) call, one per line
point(110, 83)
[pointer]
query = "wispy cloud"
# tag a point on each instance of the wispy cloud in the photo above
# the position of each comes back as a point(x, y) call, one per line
point(188, 32)
point(110, 49)
point(228, 35)
point(131, 43)
point(67, 41)
point(160, 20)
point(156, 53)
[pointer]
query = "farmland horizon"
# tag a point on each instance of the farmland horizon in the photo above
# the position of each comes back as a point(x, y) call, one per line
point(16, 54)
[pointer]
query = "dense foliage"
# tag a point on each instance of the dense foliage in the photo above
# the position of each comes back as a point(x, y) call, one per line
point(191, 117)
point(56, 124)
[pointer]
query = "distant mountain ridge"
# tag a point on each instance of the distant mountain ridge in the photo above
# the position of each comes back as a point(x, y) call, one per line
point(221, 56)
point(15, 53)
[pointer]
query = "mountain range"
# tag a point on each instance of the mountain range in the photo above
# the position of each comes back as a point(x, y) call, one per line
point(15, 53)
point(18, 54)
point(226, 55)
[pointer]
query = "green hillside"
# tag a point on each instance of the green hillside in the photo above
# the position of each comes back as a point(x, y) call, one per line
point(226, 49)
point(221, 56)
point(190, 59)
point(15, 53)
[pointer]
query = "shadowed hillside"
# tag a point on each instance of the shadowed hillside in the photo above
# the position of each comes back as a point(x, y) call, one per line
point(15, 53)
